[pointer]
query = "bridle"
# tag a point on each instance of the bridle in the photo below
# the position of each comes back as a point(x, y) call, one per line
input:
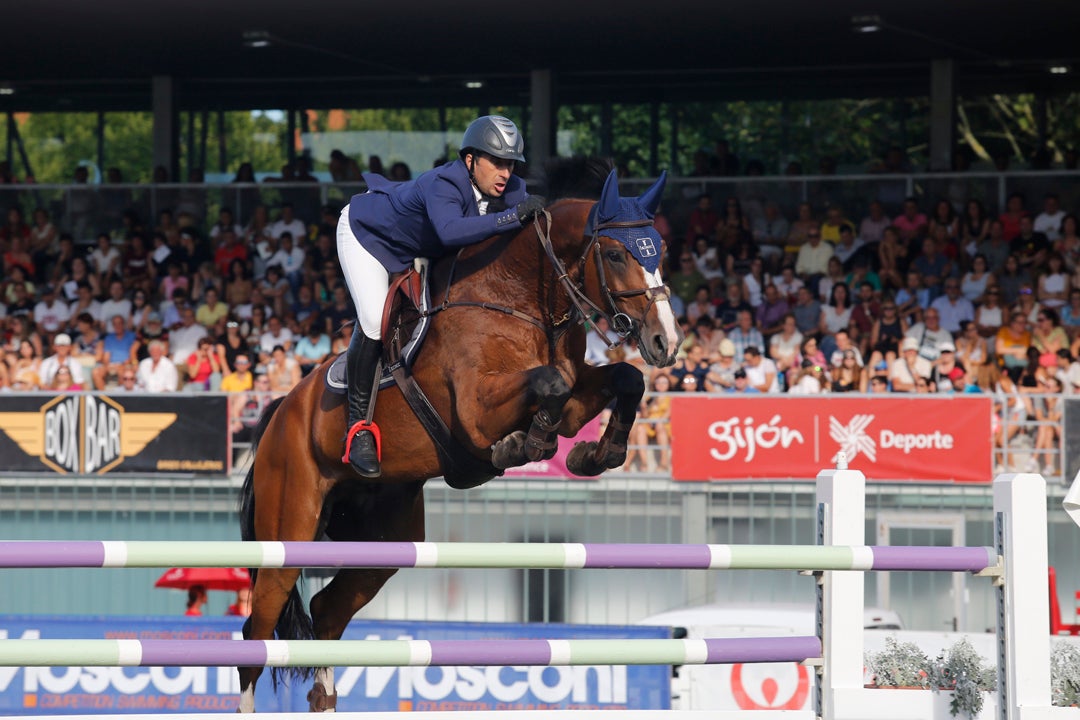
point(582, 307)
point(618, 321)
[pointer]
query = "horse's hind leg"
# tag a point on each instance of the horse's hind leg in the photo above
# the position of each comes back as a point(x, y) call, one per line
point(395, 515)
point(268, 599)
point(548, 389)
point(594, 389)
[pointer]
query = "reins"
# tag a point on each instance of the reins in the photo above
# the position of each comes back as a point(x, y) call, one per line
point(582, 306)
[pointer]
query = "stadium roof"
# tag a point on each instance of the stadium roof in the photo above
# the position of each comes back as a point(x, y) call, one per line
point(100, 55)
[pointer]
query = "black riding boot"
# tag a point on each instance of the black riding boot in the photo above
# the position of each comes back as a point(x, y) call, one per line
point(362, 441)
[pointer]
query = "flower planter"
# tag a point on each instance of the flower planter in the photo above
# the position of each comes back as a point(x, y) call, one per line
point(927, 704)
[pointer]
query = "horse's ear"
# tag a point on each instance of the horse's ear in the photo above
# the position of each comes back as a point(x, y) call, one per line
point(608, 206)
point(650, 199)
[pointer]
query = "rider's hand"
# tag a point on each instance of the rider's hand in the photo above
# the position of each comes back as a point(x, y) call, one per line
point(529, 208)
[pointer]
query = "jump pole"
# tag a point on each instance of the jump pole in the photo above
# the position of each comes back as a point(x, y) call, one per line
point(1024, 642)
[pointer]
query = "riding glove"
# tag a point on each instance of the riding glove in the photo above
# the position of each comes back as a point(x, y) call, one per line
point(529, 208)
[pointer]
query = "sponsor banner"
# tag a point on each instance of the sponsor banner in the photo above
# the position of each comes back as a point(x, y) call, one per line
point(726, 438)
point(556, 466)
point(78, 690)
point(94, 434)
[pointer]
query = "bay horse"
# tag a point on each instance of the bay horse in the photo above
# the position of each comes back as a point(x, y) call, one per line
point(503, 366)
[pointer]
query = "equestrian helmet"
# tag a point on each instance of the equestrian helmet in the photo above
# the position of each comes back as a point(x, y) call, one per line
point(495, 135)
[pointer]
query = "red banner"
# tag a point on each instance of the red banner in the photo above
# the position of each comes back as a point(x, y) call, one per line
point(766, 437)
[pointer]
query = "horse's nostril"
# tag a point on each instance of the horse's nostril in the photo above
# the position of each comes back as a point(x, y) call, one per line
point(660, 344)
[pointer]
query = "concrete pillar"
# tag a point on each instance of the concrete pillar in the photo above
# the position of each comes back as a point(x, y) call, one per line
point(695, 531)
point(607, 131)
point(542, 120)
point(166, 138)
point(942, 114)
point(654, 138)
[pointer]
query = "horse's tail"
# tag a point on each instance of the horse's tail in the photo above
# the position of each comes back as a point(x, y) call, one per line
point(247, 491)
point(294, 623)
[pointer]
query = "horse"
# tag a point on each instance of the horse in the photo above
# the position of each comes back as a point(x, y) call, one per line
point(502, 365)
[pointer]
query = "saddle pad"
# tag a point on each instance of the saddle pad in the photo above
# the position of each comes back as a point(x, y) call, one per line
point(335, 376)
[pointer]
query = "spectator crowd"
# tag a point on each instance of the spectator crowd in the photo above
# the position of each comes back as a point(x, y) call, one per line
point(941, 299)
point(178, 304)
point(950, 298)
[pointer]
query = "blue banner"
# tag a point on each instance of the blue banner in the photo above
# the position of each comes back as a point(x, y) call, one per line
point(87, 690)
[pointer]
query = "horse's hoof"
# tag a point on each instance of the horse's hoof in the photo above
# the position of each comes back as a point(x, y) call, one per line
point(582, 461)
point(510, 451)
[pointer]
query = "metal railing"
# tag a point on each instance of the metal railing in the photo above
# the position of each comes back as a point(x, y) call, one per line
point(86, 210)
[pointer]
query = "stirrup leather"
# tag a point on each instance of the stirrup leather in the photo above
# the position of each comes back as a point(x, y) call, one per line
point(360, 426)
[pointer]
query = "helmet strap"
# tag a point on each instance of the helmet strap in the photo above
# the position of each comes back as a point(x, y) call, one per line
point(472, 178)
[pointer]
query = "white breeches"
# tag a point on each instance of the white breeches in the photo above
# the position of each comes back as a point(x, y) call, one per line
point(367, 279)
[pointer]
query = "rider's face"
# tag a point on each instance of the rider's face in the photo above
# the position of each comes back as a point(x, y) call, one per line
point(491, 173)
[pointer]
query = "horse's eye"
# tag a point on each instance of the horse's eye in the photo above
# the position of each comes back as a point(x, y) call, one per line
point(615, 256)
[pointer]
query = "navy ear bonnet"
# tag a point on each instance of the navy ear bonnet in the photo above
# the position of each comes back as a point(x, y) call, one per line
point(643, 242)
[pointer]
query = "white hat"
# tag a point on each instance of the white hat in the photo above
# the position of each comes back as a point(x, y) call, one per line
point(909, 344)
point(62, 339)
point(946, 347)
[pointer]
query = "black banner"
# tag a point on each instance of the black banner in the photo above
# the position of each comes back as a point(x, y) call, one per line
point(98, 433)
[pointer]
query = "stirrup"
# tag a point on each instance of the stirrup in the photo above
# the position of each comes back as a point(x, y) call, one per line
point(361, 426)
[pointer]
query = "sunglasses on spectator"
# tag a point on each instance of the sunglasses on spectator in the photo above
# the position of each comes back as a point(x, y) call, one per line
point(127, 378)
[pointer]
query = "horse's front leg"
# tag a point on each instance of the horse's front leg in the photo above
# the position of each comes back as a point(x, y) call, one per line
point(546, 388)
point(595, 388)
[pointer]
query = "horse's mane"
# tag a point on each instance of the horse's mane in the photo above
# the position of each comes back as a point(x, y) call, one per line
point(578, 176)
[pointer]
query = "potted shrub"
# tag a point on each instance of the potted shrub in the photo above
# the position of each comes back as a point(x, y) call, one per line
point(899, 665)
point(961, 670)
point(1065, 674)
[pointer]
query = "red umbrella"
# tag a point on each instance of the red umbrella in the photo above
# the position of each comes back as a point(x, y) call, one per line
point(210, 578)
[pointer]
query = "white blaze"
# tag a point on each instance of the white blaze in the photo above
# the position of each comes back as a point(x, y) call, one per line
point(663, 310)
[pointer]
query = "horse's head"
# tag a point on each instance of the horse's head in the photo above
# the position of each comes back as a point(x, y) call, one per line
point(622, 271)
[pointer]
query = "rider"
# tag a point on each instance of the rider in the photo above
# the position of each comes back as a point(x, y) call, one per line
point(383, 230)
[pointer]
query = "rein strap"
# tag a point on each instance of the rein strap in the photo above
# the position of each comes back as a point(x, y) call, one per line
point(583, 307)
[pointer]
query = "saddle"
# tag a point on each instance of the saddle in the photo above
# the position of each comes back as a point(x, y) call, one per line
point(405, 322)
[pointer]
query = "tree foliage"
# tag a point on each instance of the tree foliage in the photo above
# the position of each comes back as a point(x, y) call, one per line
point(853, 132)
